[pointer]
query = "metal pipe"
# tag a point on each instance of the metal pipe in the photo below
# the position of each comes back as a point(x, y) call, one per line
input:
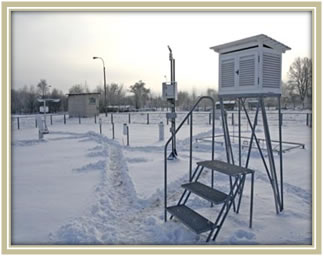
point(190, 146)
point(280, 152)
point(239, 132)
point(251, 197)
point(252, 135)
point(258, 145)
point(270, 156)
point(127, 135)
point(224, 130)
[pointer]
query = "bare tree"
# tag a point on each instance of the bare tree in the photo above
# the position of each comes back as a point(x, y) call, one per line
point(300, 77)
point(79, 89)
point(140, 94)
point(115, 94)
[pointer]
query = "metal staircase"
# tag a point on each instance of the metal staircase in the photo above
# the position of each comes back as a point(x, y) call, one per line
point(191, 218)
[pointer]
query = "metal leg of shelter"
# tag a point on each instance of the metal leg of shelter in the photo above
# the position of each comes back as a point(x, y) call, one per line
point(239, 131)
point(228, 148)
point(251, 198)
point(248, 155)
point(190, 153)
point(258, 145)
point(252, 135)
point(270, 156)
point(280, 152)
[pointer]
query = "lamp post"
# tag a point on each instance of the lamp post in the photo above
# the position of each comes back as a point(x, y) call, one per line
point(104, 72)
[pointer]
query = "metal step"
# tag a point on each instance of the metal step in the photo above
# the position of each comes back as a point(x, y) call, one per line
point(225, 168)
point(206, 192)
point(191, 219)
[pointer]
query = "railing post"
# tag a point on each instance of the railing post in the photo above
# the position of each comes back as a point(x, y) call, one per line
point(310, 119)
point(129, 118)
point(127, 135)
point(64, 118)
point(51, 118)
point(147, 118)
point(18, 125)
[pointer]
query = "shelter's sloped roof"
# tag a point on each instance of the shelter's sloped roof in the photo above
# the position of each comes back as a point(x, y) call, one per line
point(251, 40)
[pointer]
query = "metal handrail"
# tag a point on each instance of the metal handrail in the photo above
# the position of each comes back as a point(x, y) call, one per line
point(190, 159)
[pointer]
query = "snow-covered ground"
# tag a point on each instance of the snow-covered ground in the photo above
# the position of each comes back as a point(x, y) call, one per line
point(79, 187)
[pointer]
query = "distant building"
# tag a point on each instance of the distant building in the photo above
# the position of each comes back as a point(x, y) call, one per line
point(120, 108)
point(83, 104)
point(228, 105)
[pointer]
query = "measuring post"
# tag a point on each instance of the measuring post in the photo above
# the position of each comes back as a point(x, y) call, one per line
point(209, 119)
point(51, 118)
point(113, 130)
point(169, 93)
point(64, 118)
point(233, 119)
point(100, 125)
point(111, 118)
point(127, 135)
point(147, 118)
point(95, 119)
point(79, 119)
point(129, 118)
point(18, 123)
point(35, 123)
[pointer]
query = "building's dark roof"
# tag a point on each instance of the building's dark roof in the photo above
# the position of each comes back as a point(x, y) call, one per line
point(83, 94)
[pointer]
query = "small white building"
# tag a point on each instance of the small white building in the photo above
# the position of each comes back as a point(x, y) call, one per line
point(83, 104)
point(250, 66)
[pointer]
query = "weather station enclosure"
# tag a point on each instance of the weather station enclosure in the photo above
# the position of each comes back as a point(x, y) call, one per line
point(250, 66)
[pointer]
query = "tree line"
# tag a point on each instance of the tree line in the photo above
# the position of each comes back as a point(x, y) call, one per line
point(296, 92)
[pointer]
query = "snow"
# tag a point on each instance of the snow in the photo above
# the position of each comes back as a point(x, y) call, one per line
point(79, 187)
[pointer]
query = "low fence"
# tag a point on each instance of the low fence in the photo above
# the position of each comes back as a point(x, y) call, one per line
point(30, 121)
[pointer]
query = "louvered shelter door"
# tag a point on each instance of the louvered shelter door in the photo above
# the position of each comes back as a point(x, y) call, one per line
point(247, 72)
point(271, 69)
point(227, 68)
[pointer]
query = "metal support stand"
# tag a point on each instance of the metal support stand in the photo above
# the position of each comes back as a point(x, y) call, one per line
point(173, 155)
point(270, 165)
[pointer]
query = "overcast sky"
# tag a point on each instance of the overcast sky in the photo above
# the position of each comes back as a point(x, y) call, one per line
point(59, 46)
